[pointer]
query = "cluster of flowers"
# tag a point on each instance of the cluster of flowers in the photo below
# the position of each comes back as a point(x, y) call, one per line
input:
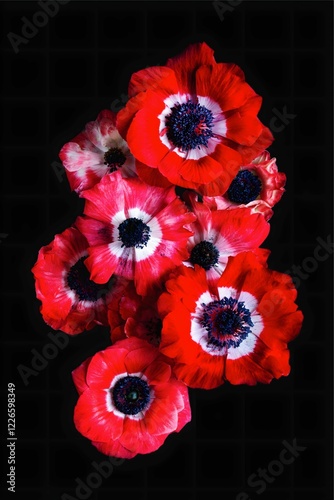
point(179, 190)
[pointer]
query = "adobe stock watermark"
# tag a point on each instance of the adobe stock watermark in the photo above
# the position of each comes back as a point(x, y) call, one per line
point(301, 272)
point(40, 360)
point(223, 7)
point(280, 120)
point(31, 27)
point(102, 470)
point(59, 170)
point(260, 479)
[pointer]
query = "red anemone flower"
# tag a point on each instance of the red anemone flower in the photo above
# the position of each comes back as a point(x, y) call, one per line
point(71, 302)
point(219, 234)
point(134, 230)
point(96, 151)
point(194, 120)
point(129, 399)
point(236, 331)
point(258, 185)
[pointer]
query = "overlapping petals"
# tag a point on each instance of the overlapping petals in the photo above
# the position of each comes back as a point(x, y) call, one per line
point(219, 234)
point(191, 120)
point(258, 185)
point(96, 151)
point(178, 190)
point(129, 400)
point(134, 230)
point(236, 331)
point(71, 302)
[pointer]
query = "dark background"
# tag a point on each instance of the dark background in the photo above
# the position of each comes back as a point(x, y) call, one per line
point(79, 64)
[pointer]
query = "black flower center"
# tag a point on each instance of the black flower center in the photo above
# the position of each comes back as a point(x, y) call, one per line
point(244, 188)
point(134, 232)
point(78, 281)
point(131, 395)
point(114, 158)
point(189, 125)
point(205, 254)
point(227, 322)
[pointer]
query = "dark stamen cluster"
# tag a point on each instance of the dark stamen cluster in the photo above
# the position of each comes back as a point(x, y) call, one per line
point(130, 395)
point(114, 158)
point(78, 281)
point(204, 254)
point(189, 125)
point(134, 232)
point(227, 322)
point(244, 188)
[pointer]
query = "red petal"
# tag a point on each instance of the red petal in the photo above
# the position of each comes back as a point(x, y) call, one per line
point(79, 376)
point(222, 83)
point(138, 359)
point(143, 134)
point(185, 64)
point(101, 263)
point(161, 417)
point(136, 438)
point(96, 232)
point(92, 418)
point(151, 78)
point(151, 176)
point(114, 449)
point(105, 366)
point(158, 373)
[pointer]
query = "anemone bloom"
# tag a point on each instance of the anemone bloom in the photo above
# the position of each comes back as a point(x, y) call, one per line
point(96, 151)
point(129, 399)
point(71, 302)
point(134, 230)
point(258, 185)
point(236, 331)
point(194, 120)
point(219, 234)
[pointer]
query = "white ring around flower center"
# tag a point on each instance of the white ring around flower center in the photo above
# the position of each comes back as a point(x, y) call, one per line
point(200, 335)
point(219, 125)
point(117, 248)
point(111, 408)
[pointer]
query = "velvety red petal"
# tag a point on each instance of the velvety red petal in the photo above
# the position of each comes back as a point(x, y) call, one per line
point(126, 114)
point(224, 85)
point(79, 376)
point(161, 417)
point(243, 128)
point(205, 373)
point(138, 359)
point(114, 449)
point(101, 263)
point(92, 418)
point(248, 153)
point(185, 413)
point(136, 438)
point(158, 373)
point(105, 365)
point(186, 63)
point(151, 176)
point(152, 78)
point(96, 232)
point(245, 371)
point(143, 134)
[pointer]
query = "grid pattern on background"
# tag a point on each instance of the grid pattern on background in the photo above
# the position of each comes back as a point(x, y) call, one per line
point(78, 63)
